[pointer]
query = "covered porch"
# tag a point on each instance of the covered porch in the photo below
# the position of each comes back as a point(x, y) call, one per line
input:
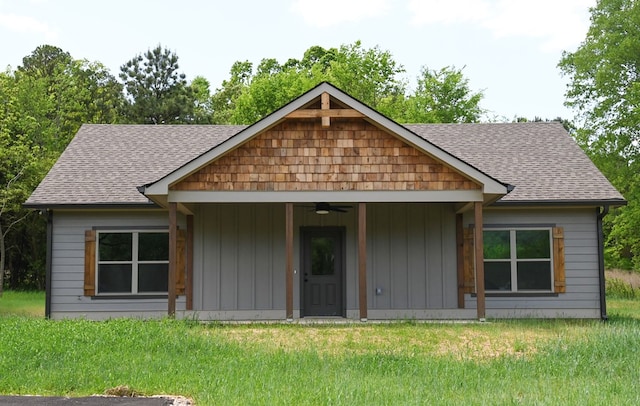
point(254, 261)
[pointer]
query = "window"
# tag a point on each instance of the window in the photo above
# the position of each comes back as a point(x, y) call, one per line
point(132, 262)
point(517, 260)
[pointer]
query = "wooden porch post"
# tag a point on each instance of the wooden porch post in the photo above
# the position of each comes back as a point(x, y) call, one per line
point(189, 274)
point(479, 254)
point(362, 259)
point(173, 258)
point(460, 259)
point(289, 259)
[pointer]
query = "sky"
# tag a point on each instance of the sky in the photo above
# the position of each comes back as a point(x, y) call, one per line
point(508, 49)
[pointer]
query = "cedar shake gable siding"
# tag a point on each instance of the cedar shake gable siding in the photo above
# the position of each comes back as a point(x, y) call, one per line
point(302, 155)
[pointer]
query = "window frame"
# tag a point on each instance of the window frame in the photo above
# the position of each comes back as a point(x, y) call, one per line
point(513, 260)
point(135, 233)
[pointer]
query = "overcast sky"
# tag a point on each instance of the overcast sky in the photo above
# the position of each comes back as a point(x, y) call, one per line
point(509, 48)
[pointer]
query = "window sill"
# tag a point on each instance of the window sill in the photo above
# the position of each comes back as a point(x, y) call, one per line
point(128, 297)
point(518, 294)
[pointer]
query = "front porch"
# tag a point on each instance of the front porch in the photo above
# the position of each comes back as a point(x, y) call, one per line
point(246, 261)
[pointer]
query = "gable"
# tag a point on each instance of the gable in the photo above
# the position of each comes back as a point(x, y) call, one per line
point(330, 106)
point(302, 155)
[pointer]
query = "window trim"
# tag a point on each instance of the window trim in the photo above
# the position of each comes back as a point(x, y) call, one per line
point(513, 260)
point(135, 232)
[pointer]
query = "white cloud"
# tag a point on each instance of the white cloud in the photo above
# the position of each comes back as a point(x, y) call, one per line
point(333, 12)
point(24, 24)
point(559, 24)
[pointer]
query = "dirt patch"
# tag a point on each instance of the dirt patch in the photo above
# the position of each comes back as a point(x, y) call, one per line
point(462, 344)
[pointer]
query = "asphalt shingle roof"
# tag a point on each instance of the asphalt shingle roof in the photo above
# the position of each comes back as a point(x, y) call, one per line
point(104, 164)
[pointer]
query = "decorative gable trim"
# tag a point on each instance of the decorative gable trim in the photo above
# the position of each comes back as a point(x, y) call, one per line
point(489, 184)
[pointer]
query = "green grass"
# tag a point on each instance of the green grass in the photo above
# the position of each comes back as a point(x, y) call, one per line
point(500, 362)
point(22, 303)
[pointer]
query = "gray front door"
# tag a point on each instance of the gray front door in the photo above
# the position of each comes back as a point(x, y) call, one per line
point(322, 278)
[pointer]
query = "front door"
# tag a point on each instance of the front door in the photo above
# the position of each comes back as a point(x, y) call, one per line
point(322, 278)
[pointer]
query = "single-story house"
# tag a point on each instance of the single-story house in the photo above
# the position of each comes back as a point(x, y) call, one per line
point(325, 208)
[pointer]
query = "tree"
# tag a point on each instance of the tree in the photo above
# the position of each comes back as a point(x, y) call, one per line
point(42, 105)
point(223, 101)
point(604, 88)
point(157, 92)
point(443, 96)
point(370, 75)
point(21, 165)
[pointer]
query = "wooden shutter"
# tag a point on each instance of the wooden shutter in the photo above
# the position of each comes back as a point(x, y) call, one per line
point(559, 283)
point(90, 263)
point(182, 263)
point(469, 269)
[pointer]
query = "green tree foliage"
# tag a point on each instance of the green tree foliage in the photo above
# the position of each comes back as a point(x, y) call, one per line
point(21, 166)
point(42, 105)
point(157, 92)
point(443, 96)
point(370, 75)
point(604, 88)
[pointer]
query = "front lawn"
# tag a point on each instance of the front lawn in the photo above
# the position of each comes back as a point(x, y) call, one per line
point(499, 362)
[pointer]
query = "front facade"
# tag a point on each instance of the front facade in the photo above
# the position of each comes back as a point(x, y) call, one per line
point(325, 208)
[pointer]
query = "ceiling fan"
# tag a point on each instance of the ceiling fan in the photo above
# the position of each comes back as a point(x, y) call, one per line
point(326, 208)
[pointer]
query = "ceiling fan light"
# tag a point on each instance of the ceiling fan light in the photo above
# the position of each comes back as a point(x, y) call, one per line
point(322, 208)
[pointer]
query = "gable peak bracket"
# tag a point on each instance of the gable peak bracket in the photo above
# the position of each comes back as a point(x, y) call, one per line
point(325, 113)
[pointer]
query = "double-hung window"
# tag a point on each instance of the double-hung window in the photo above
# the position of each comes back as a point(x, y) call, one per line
point(132, 262)
point(518, 259)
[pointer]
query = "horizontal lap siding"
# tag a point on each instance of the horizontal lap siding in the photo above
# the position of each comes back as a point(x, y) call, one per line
point(411, 256)
point(67, 281)
point(581, 261)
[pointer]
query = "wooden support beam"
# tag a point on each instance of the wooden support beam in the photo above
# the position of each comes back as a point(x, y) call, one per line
point(479, 256)
point(173, 258)
point(189, 273)
point(315, 113)
point(325, 105)
point(460, 259)
point(289, 259)
point(362, 260)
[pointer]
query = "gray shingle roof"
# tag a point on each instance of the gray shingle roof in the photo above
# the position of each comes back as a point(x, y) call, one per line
point(104, 164)
point(540, 159)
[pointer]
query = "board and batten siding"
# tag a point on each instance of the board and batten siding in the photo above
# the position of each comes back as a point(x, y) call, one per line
point(67, 278)
point(239, 260)
point(582, 296)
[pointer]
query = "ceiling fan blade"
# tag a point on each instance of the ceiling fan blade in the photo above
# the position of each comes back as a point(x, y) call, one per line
point(338, 209)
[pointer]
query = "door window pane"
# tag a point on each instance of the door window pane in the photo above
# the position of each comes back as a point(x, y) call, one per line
point(497, 276)
point(496, 244)
point(534, 275)
point(153, 246)
point(532, 244)
point(153, 277)
point(114, 278)
point(115, 246)
point(322, 256)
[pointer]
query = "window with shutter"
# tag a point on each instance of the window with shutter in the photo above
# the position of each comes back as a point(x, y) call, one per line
point(130, 262)
point(525, 259)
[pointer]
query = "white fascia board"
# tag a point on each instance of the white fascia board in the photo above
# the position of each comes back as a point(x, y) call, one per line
point(183, 196)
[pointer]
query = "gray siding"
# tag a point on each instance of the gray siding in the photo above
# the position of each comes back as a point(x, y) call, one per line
point(239, 262)
point(67, 282)
point(581, 264)
point(240, 257)
point(411, 256)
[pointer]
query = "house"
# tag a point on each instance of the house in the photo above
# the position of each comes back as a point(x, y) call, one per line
point(325, 208)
